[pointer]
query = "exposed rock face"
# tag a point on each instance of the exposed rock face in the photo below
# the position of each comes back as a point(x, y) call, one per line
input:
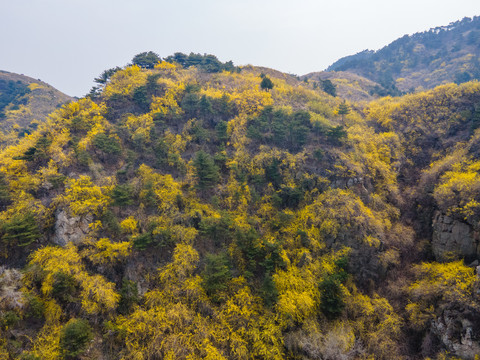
point(70, 229)
point(11, 296)
point(345, 183)
point(453, 237)
point(134, 271)
point(457, 333)
point(356, 184)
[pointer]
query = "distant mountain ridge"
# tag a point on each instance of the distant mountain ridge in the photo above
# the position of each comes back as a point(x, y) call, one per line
point(25, 102)
point(423, 60)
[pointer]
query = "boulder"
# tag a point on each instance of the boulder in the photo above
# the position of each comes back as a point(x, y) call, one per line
point(70, 229)
point(359, 185)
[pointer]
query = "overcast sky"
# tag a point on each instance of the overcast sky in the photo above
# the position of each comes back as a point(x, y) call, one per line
point(67, 43)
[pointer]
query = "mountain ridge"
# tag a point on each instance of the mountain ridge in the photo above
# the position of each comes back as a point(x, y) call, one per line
point(422, 60)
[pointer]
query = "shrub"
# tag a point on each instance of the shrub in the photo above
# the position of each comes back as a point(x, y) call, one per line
point(205, 170)
point(290, 196)
point(74, 338)
point(329, 87)
point(216, 276)
point(141, 98)
point(220, 230)
point(5, 198)
point(64, 287)
point(35, 307)
point(108, 144)
point(267, 83)
point(20, 230)
point(128, 296)
point(332, 300)
point(336, 134)
point(122, 195)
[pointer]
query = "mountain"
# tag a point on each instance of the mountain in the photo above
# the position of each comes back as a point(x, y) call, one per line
point(423, 60)
point(25, 103)
point(186, 211)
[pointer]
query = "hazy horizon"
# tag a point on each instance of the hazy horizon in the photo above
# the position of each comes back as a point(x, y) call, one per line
point(68, 44)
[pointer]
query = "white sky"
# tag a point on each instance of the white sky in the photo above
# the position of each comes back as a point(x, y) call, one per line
point(67, 43)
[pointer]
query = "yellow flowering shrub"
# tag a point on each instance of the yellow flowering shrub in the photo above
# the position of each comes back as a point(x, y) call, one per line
point(83, 197)
point(123, 82)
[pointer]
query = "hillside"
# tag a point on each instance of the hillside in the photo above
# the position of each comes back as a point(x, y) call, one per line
point(189, 211)
point(24, 103)
point(347, 85)
point(423, 60)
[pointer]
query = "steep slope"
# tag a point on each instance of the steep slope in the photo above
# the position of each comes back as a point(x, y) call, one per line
point(438, 130)
point(423, 60)
point(184, 213)
point(24, 103)
point(439, 178)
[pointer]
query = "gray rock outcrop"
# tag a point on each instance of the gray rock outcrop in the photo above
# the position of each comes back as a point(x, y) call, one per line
point(11, 295)
point(453, 238)
point(70, 229)
point(457, 334)
point(346, 183)
point(359, 185)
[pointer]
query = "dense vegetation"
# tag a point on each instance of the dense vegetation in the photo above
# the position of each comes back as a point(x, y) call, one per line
point(443, 54)
point(12, 93)
point(184, 213)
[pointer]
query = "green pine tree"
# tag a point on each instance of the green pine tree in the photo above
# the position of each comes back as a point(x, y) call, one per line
point(205, 170)
point(216, 276)
point(343, 109)
point(266, 83)
point(20, 230)
point(74, 338)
